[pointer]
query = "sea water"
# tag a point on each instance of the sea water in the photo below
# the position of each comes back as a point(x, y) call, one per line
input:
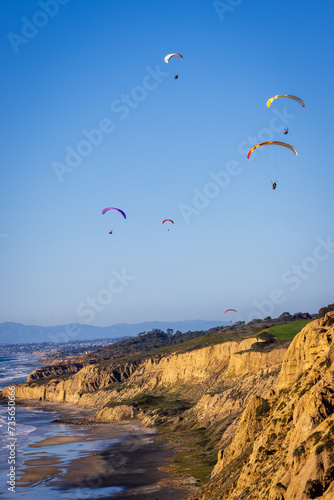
point(33, 425)
point(15, 368)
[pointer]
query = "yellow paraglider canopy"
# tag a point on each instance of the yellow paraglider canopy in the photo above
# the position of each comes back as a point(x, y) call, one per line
point(278, 143)
point(272, 99)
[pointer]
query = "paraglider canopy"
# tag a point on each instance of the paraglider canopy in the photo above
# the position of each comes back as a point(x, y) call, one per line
point(112, 208)
point(231, 310)
point(169, 56)
point(272, 99)
point(117, 210)
point(168, 220)
point(278, 143)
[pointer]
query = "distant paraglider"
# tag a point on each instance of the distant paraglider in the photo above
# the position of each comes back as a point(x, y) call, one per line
point(278, 143)
point(293, 97)
point(168, 58)
point(113, 208)
point(231, 310)
point(168, 220)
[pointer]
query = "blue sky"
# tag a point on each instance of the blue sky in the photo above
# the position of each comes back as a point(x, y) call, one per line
point(93, 117)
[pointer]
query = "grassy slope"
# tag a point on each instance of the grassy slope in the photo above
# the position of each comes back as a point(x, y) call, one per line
point(289, 330)
point(213, 338)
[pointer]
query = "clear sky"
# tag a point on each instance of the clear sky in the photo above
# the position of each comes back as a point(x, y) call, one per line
point(93, 117)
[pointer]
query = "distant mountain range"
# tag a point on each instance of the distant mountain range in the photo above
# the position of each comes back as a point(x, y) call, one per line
point(15, 333)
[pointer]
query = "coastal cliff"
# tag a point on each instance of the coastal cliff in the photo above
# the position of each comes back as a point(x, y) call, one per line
point(197, 372)
point(68, 387)
point(257, 413)
point(55, 370)
point(283, 446)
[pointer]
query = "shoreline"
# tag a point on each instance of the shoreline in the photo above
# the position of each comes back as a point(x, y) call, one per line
point(128, 461)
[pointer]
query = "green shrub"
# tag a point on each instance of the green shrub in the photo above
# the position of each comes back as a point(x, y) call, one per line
point(319, 449)
point(300, 450)
point(316, 436)
point(262, 409)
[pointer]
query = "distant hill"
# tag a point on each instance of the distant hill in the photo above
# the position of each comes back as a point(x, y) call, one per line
point(15, 333)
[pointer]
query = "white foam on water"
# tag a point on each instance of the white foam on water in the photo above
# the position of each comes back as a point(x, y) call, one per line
point(15, 368)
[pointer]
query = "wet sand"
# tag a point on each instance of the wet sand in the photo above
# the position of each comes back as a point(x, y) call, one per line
point(135, 464)
point(131, 460)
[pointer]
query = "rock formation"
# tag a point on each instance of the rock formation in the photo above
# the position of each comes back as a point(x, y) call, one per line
point(283, 447)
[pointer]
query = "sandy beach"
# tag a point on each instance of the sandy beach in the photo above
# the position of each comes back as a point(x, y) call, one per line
point(99, 461)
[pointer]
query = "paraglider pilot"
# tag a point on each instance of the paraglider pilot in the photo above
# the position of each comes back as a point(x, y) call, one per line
point(274, 185)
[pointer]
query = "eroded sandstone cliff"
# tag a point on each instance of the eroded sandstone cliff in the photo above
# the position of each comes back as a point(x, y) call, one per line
point(55, 370)
point(283, 446)
point(210, 376)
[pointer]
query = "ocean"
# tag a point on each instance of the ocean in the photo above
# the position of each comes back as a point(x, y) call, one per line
point(40, 458)
point(15, 368)
point(31, 440)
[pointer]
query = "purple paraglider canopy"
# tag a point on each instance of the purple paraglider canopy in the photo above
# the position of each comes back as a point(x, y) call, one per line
point(112, 208)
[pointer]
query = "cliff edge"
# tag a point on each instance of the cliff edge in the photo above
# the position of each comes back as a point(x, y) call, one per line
point(283, 446)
